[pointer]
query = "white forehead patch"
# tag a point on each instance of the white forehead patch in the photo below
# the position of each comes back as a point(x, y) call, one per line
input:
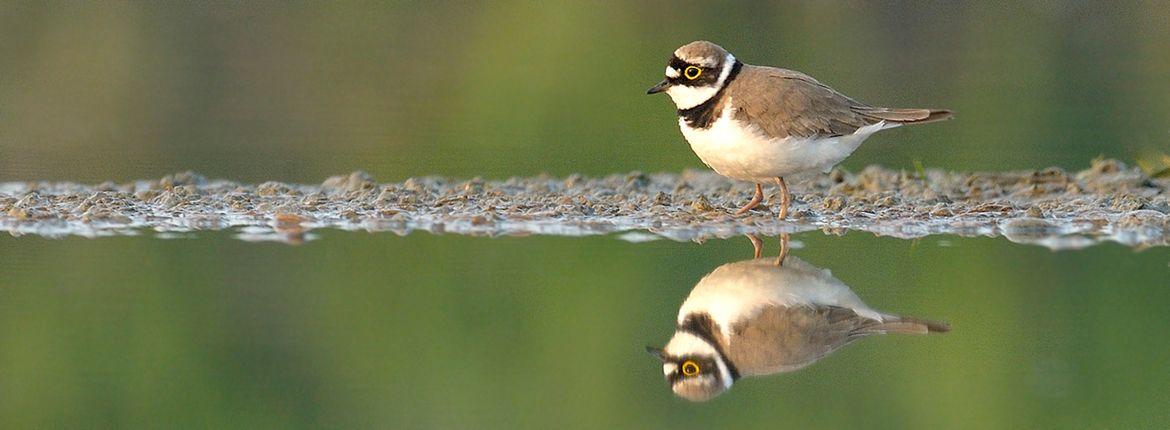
point(672, 72)
point(668, 368)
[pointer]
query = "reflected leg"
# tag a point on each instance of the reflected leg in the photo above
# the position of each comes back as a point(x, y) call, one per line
point(783, 249)
point(757, 244)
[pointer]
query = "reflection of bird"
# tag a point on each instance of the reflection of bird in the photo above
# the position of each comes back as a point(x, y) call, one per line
point(760, 124)
point(756, 318)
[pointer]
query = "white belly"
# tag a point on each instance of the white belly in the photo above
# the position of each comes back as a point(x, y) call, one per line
point(741, 151)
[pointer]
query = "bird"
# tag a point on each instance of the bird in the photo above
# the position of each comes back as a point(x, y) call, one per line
point(757, 317)
point(759, 124)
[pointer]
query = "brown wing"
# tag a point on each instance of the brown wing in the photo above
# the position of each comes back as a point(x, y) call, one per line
point(789, 103)
point(783, 339)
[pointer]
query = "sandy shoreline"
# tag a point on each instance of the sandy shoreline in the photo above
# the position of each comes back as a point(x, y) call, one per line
point(1106, 202)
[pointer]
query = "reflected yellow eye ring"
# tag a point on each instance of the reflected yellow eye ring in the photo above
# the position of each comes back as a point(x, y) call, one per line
point(690, 368)
point(692, 72)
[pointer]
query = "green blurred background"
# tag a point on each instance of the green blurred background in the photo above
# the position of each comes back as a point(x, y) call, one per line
point(382, 331)
point(299, 91)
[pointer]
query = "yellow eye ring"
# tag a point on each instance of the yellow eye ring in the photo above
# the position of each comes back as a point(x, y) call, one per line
point(692, 72)
point(689, 368)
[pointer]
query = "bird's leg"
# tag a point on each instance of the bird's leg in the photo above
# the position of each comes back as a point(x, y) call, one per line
point(785, 199)
point(755, 200)
point(757, 244)
point(783, 249)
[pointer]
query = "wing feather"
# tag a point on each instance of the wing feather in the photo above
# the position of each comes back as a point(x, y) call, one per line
point(787, 338)
point(787, 103)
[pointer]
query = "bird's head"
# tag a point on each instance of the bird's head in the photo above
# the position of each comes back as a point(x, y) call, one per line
point(695, 73)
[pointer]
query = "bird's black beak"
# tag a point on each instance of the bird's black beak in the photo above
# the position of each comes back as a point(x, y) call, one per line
point(662, 86)
point(657, 353)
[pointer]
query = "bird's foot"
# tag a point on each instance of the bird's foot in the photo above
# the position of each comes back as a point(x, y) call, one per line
point(755, 201)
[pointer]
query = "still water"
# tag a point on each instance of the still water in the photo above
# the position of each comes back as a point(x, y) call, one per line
point(424, 331)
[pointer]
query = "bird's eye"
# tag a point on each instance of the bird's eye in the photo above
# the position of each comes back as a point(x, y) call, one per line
point(689, 368)
point(692, 72)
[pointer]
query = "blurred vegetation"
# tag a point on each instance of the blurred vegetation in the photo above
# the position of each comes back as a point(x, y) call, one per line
point(297, 92)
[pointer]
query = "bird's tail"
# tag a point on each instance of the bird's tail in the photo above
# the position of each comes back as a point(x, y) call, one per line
point(903, 116)
point(908, 326)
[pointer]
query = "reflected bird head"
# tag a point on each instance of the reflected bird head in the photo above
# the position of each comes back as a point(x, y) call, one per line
point(693, 368)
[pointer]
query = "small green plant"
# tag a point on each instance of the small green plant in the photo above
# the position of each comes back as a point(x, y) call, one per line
point(919, 168)
point(1155, 165)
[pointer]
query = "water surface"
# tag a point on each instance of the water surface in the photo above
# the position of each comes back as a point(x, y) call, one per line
point(424, 331)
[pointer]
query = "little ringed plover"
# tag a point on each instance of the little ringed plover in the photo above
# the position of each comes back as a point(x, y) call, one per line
point(758, 124)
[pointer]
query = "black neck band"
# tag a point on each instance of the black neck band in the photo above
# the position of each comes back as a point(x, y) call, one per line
point(703, 115)
point(703, 327)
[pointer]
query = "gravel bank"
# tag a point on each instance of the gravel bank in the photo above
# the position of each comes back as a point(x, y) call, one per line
point(1050, 207)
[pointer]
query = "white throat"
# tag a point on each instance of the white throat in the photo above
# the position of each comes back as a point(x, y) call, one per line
point(688, 97)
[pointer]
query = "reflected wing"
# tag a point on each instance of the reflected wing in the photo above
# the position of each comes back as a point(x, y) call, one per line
point(781, 339)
